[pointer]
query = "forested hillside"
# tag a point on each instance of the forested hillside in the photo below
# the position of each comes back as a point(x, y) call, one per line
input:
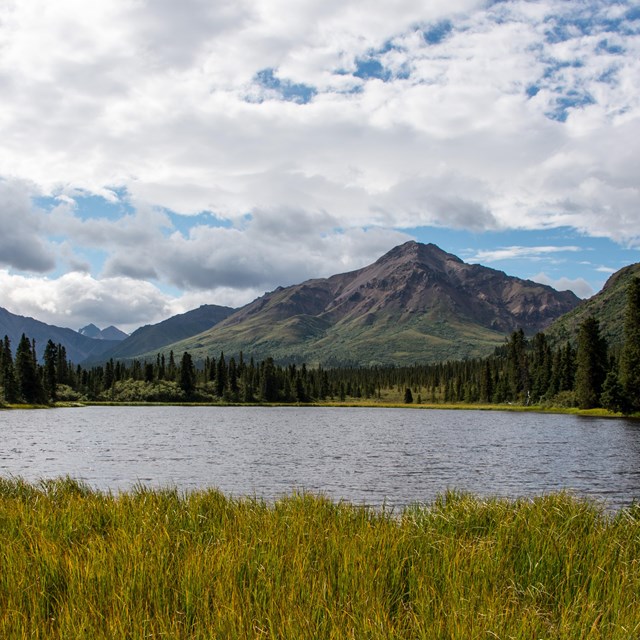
point(522, 371)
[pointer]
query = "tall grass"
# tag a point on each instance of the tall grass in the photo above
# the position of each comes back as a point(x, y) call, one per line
point(75, 563)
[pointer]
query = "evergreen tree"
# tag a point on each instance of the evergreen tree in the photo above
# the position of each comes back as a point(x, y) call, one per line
point(486, 383)
point(109, 374)
point(232, 382)
point(7, 373)
point(591, 359)
point(408, 396)
point(29, 384)
point(50, 371)
point(221, 376)
point(149, 373)
point(517, 366)
point(187, 375)
point(567, 370)
point(171, 369)
point(269, 382)
point(540, 366)
point(612, 397)
point(630, 355)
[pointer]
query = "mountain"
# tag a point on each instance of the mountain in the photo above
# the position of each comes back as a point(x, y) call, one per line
point(416, 303)
point(90, 331)
point(78, 347)
point(110, 333)
point(607, 306)
point(153, 337)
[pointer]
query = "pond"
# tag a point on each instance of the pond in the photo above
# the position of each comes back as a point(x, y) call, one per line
point(370, 456)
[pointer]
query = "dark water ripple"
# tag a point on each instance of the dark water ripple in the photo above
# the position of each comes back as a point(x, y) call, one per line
point(369, 456)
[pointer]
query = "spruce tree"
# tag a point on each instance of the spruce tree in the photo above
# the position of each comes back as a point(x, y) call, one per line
point(187, 375)
point(8, 375)
point(29, 383)
point(221, 376)
point(591, 360)
point(517, 366)
point(630, 356)
point(50, 373)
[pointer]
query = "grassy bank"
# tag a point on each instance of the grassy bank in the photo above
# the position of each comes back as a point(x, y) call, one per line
point(157, 564)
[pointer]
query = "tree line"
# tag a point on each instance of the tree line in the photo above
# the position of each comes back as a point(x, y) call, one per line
point(587, 374)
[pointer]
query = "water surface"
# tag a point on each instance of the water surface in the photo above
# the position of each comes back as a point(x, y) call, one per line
point(367, 456)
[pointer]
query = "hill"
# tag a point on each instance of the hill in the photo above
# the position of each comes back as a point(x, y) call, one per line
point(607, 306)
point(156, 336)
point(78, 347)
point(416, 303)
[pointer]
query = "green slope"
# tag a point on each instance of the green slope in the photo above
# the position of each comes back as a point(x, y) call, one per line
point(154, 337)
point(608, 307)
point(314, 341)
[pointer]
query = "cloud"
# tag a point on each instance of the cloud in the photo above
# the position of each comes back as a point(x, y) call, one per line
point(516, 115)
point(269, 250)
point(514, 253)
point(314, 133)
point(579, 286)
point(20, 246)
point(78, 299)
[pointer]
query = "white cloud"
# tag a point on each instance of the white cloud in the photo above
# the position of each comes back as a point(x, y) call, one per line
point(484, 116)
point(148, 97)
point(579, 286)
point(75, 299)
point(512, 253)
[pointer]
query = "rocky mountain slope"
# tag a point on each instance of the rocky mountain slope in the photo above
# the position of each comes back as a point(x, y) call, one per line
point(416, 303)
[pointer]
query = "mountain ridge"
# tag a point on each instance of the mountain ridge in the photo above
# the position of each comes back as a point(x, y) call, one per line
point(415, 302)
point(108, 333)
point(608, 306)
point(173, 329)
point(77, 346)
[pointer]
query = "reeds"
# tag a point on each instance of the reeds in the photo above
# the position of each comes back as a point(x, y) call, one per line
point(75, 563)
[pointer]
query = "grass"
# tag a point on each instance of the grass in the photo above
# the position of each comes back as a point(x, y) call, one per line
point(75, 563)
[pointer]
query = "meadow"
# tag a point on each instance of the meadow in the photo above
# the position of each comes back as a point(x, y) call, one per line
point(77, 563)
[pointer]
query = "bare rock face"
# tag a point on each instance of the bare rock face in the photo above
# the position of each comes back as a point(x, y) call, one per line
point(415, 303)
point(416, 278)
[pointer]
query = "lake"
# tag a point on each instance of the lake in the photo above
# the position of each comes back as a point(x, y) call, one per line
point(366, 456)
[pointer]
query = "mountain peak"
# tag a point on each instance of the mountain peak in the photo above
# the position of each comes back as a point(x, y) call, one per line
point(429, 255)
point(110, 333)
point(90, 331)
point(415, 303)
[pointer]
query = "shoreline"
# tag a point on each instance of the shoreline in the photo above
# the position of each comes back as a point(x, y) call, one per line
point(593, 413)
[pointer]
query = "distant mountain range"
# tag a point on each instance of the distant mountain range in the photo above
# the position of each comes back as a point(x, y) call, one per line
point(110, 333)
point(417, 303)
point(78, 347)
point(153, 337)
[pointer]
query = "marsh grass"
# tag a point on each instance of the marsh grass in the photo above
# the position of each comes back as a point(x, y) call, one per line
point(75, 563)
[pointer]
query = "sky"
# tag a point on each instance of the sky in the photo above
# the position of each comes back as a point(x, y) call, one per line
point(159, 155)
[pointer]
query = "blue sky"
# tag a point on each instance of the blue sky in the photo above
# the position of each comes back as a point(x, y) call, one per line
point(158, 155)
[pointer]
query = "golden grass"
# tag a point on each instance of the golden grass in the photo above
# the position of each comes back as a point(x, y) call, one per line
point(75, 563)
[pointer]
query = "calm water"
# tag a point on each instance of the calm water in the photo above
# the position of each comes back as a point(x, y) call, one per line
point(367, 456)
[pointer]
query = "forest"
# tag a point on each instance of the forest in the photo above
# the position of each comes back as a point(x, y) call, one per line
point(587, 373)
